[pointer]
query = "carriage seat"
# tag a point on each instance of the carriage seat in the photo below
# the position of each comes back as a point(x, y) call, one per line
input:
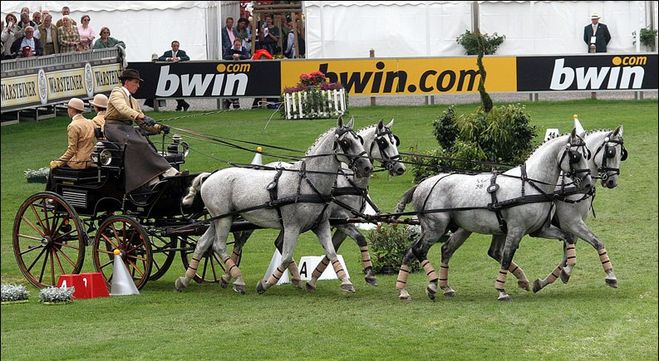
point(175, 159)
point(77, 176)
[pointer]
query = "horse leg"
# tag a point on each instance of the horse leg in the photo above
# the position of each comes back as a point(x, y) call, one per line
point(324, 234)
point(513, 237)
point(240, 238)
point(582, 231)
point(296, 279)
point(289, 237)
point(205, 241)
point(220, 247)
point(563, 269)
point(337, 240)
point(495, 252)
point(454, 242)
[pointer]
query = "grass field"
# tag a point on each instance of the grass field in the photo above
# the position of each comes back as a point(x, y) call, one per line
point(583, 320)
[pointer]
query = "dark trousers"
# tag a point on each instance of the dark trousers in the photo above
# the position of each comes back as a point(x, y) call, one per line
point(227, 102)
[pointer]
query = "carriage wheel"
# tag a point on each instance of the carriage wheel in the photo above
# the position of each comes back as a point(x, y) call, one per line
point(127, 235)
point(164, 252)
point(48, 239)
point(210, 267)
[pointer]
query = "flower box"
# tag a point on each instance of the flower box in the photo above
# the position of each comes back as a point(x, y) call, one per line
point(315, 103)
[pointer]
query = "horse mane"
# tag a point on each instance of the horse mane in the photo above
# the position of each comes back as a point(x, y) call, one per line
point(545, 143)
point(366, 128)
point(318, 140)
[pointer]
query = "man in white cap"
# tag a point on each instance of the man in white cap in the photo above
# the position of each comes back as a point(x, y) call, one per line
point(99, 104)
point(596, 35)
point(81, 139)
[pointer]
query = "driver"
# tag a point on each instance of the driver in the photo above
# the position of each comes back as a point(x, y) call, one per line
point(143, 165)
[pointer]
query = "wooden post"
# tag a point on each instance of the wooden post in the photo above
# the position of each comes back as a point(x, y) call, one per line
point(371, 54)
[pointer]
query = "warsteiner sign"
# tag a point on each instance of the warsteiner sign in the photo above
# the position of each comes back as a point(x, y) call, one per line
point(587, 72)
point(208, 79)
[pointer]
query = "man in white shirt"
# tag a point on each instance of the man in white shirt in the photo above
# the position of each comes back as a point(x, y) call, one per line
point(596, 35)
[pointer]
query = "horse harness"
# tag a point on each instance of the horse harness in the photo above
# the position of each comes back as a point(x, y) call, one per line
point(610, 152)
point(381, 138)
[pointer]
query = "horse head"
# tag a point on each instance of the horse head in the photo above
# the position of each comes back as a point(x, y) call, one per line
point(573, 161)
point(387, 149)
point(608, 156)
point(349, 149)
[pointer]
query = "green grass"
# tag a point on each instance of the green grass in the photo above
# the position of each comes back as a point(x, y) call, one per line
point(583, 320)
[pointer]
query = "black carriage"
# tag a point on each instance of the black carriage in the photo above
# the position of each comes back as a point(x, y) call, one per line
point(89, 207)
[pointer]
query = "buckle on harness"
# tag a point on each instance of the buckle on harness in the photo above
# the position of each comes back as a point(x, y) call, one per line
point(492, 188)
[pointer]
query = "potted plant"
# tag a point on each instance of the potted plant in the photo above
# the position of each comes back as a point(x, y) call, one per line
point(388, 245)
point(56, 295)
point(474, 42)
point(648, 36)
point(313, 97)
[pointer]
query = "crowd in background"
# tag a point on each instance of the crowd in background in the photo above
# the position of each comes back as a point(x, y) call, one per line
point(40, 35)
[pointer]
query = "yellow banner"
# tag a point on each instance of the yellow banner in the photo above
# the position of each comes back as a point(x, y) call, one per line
point(20, 90)
point(420, 76)
point(106, 77)
point(66, 83)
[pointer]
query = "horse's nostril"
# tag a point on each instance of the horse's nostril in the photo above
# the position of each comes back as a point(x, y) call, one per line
point(400, 171)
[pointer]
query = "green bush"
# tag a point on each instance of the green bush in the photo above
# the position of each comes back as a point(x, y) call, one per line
point(387, 246)
point(473, 42)
point(647, 37)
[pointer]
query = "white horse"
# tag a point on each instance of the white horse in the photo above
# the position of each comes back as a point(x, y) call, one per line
point(508, 205)
point(294, 200)
point(351, 191)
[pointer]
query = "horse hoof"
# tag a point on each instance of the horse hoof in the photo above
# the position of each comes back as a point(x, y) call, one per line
point(404, 296)
point(296, 283)
point(260, 288)
point(371, 280)
point(179, 285)
point(347, 287)
point(524, 285)
point(564, 277)
point(536, 286)
point(431, 293)
point(240, 289)
point(611, 282)
point(223, 283)
point(310, 287)
point(504, 298)
point(450, 293)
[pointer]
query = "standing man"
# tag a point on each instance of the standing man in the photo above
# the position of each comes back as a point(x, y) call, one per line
point(143, 165)
point(228, 34)
point(49, 39)
point(65, 12)
point(81, 140)
point(174, 56)
point(596, 35)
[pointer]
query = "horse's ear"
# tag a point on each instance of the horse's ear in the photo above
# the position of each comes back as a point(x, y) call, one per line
point(380, 125)
point(391, 123)
point(573, 134)
point(618, 131)
point(350, 123)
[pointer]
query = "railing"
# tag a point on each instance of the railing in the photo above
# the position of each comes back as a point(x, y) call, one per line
point(315, 104)
point(19, 64)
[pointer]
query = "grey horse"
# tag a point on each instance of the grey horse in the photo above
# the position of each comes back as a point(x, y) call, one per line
point(351, 191)
point(571, 210)
point(297, 201)
point(508, 206)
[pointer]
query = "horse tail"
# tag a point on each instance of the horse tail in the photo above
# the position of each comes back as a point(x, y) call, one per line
point(404, 200)
point(194, 189)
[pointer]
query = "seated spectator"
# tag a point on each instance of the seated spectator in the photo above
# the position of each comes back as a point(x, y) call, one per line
point(27, 46)
point(106, 41)
point(49, 36)
point(36, 18)
point(24, 23)
point(99, 104)
point(65, 12)
point(81, 139)
point(67, 36)
point(9, 35)
point(86, 32)
point(236, 52)
point(244, 33)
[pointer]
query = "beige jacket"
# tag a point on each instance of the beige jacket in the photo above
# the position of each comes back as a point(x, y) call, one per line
point(81, 142)
point(99, 119)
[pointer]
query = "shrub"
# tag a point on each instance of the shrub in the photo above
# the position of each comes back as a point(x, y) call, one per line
point(474, 42)
point(388, 245)
point(647, 37)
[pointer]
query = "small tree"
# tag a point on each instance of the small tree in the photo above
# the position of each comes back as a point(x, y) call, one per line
point(475, 43)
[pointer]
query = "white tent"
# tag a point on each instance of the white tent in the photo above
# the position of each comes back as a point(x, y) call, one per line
point(148, 27)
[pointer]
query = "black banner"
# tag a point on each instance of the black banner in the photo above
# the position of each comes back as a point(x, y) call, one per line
point(209, 79)
point(587, 72)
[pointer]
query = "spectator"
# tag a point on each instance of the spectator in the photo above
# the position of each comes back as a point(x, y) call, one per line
point(596, 35)
point(26, 10)
point(142, 163)
point(174, 56)
point(27, 45)
point(236, 52)
point(290, 51)
point(81, 140)
point(269, 36)
point(300, 38)
point(87, 33)
point(100, 105)
point(24, 23)
point(9, 35)
point(67, 36)
point(65, 12)
point(36, 18)
point(244, 33)
point(106, 41)
point(228, 34)
point(48, 31)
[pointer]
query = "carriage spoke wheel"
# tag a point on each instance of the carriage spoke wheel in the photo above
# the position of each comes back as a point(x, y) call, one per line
point(127, 235)
point(210, 267)
point(48, 239)
point(163, 250)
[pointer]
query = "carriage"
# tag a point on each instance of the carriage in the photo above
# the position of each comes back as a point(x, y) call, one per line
point(89, 208)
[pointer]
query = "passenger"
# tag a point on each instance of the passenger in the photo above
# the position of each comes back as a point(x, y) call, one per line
point(143, 165)
point(81, 139)
point(100, 105)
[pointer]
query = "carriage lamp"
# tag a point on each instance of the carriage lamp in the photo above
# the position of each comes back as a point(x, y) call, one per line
point(101, 155)
point(177, 146)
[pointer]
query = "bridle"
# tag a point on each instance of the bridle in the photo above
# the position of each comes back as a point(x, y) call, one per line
point(340, 141)
point(382, 139)
point(609, 152)
point(575, 151)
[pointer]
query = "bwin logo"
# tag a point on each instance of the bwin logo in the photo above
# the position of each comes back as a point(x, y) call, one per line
point(563, 78)
point(197, 84)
